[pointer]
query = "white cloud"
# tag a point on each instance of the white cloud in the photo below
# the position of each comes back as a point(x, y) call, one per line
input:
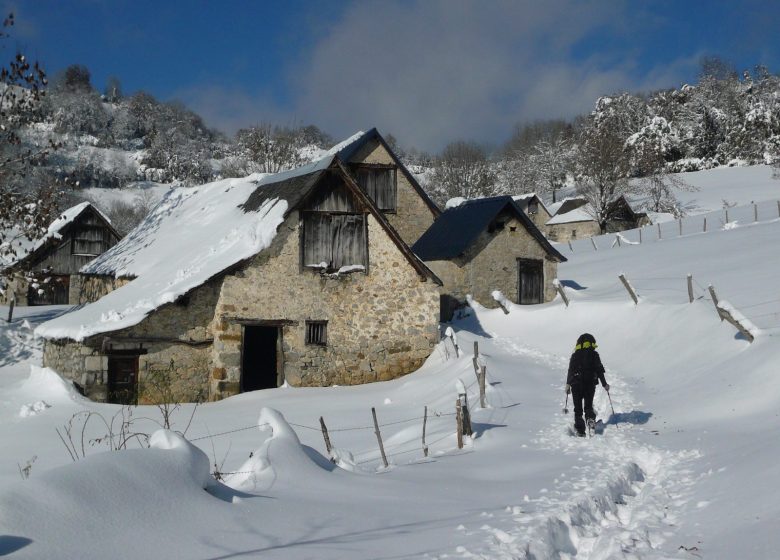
point(434, 71)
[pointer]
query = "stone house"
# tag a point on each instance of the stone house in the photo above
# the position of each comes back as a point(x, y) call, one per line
point(243, 284)
point(573, 218)
point(489, 244)
point(534, 207)
point(48, 273)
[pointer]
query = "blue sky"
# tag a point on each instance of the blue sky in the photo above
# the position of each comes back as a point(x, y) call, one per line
point(428, 72)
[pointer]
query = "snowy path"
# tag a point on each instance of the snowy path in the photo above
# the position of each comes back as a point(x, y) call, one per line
point(623, 499)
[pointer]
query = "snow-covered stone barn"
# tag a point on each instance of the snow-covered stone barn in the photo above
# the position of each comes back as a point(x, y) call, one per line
point(486, 245)
point(251, 283)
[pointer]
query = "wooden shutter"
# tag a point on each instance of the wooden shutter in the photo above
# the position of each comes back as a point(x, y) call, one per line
point(379, 183)
point(317, 239)
point(335, 239)
point(349, 242)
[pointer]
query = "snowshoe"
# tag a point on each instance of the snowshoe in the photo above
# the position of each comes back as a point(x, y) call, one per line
point(591, 427)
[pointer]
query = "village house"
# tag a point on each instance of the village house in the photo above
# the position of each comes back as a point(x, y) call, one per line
point(572, 218)
point(242, 284)
point(47, 274)
point(489, 244)
point(532, 205)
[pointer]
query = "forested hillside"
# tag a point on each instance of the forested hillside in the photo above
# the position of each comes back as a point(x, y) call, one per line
point(108, 139)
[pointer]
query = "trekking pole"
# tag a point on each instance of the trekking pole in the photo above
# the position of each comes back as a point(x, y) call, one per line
point(566, 405)
point(610, 404)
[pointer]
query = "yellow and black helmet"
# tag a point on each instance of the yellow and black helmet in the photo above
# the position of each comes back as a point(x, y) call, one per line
point(586, 341)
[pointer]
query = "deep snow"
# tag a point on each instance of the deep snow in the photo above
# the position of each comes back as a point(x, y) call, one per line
point(685, 468)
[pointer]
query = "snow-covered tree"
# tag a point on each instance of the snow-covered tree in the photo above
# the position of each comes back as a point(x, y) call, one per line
point(28, 199)
point(269, 149)
point(463, 170)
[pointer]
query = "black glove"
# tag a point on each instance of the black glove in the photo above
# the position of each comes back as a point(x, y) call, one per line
point(606, 387)
point(568, 388)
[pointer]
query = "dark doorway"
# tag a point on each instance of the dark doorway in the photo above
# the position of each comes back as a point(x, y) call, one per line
point(260, 358)
point(530, 281)
point(123, 379)
point(53, 291)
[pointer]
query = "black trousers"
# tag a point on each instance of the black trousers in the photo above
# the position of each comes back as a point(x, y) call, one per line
point(583, 395)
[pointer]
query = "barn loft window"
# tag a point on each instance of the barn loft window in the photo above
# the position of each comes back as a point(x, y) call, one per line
point(533, 207)
point(334, 242)
point(317, 332)
point(90, 241)
point(379, 183)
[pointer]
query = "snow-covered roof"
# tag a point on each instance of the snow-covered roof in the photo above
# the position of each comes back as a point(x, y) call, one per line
point(193, 234)
point(581, 214)
point(523, 200)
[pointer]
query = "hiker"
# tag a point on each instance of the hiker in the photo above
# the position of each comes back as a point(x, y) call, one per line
point(585, 371)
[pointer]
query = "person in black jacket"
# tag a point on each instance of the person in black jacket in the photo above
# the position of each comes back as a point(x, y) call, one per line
point(585, 372)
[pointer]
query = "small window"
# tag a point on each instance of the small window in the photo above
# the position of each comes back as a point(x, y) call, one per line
point(317, 332)
point(379, 183)
point(533, 207)
point(574, 234)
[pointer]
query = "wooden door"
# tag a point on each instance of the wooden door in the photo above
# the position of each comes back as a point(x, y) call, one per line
point(123, 379)
point(530, 281)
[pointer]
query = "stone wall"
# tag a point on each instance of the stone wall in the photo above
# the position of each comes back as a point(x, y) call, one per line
point(413, 217)
point(572, 231)
point(16, 287)
point(89, 288)
point(381, 324)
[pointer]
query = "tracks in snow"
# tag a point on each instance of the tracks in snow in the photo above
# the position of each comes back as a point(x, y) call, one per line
point(622, 498)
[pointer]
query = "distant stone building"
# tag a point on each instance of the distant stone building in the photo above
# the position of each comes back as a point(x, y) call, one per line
point(573, 218)
point(238, 285)
point(489, 244)
point(48, 273)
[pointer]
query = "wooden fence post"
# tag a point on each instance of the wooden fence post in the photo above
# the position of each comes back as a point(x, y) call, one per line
point(726, 314)
point(659, 231)
point(379, 437)
point(680, 223)
point(327, 438)
point(690, 288)
point(564, 297)
point(466, 414)
point(459, 422)
point(482, 376)
point(727, 214)
point(425, 421)
point(11, 308)
point(714, 297)
point(778, 208)
point(594, 244)
point(570, 247)
point(629, 289)
point(755, 212)
point(705, 223)
point(640, 235)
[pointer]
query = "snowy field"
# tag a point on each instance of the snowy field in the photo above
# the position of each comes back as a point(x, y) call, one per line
point(686, 467)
